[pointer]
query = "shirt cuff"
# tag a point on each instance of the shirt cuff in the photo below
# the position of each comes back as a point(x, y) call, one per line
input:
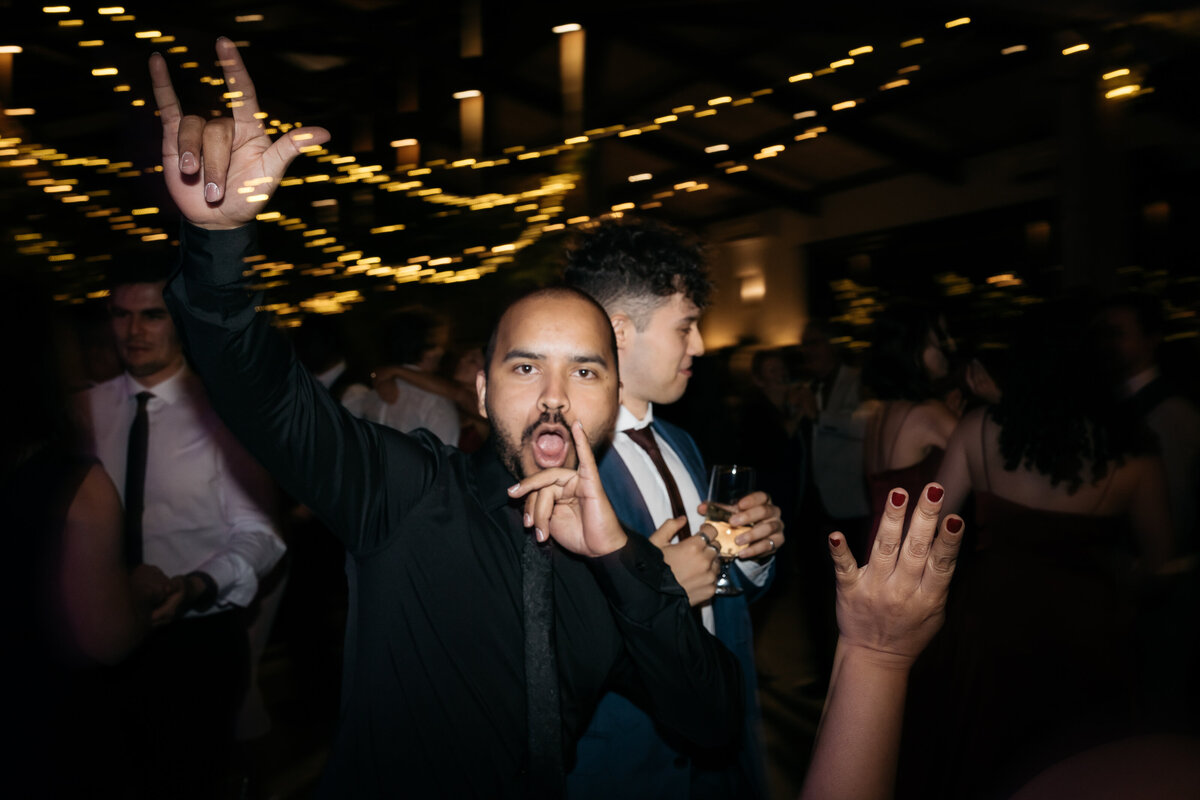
point(757, 572)
point(236, 581)
point(216, 258)
point(636, 581)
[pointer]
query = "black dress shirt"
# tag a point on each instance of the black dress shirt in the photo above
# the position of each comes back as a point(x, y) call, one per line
point(434, 695)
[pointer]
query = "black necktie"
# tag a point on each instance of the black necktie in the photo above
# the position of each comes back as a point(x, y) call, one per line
point(644, 438)
point(135, 480)
point(542, 705)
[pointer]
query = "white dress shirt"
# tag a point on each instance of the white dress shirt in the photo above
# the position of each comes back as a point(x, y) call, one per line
point(654, 490)
point(414, 408)
point(206, 499)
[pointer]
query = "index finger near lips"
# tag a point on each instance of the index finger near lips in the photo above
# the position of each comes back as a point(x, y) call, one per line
point(244, 105)
point(583, 449)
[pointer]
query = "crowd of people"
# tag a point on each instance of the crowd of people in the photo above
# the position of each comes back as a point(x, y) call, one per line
point(494, 566)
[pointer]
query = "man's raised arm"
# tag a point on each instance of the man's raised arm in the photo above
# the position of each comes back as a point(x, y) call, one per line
point(319, 453)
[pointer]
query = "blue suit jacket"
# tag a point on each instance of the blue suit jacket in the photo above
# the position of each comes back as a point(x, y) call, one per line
point(623, 754)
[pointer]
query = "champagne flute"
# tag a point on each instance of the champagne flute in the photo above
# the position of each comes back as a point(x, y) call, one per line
point(727, 484)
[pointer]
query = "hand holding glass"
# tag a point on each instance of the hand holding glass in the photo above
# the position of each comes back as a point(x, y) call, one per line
point(727, 484)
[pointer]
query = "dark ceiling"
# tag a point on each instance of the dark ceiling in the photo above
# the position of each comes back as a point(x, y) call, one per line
point(927, 97)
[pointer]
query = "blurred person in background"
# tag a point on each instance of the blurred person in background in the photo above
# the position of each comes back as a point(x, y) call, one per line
point(456, 384)
point(833, 421)
point(910, 425)
point(200, 508)
point(1132, 327)
point(70, 602)
point(1041, 654)
point(415, 339)
point(322, 348)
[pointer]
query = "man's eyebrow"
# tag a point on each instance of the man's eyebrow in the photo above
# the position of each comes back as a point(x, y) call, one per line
point(590, 358)
point(517, 353)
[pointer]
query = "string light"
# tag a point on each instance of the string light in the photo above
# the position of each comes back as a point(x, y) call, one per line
point(356, 173)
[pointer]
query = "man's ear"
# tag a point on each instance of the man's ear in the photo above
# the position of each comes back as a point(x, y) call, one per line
point(623, 330)
point(481, 392)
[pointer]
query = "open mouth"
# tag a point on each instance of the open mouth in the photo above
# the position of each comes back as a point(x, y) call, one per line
point(551, 443)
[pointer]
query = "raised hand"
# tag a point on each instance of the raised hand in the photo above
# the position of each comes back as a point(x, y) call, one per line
point(207, 160)
point(570, 505)
point(892, 606)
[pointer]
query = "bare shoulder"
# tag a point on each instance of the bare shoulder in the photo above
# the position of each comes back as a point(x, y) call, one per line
point(968, 431)
point(1138, 469)
point(95, 497)
point(936, 416)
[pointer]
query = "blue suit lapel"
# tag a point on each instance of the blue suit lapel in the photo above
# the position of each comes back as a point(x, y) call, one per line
point(686, 449)
point(624, 494)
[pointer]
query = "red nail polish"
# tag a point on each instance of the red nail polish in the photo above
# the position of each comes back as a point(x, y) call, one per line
point(835, 540)
point(897, 499)
point(953, 524)
point(934, 493)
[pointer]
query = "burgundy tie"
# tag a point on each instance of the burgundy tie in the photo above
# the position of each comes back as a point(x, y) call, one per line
point(644, 438)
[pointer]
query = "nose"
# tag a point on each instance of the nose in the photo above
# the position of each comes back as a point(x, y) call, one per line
point(695, 342)
point(554, 395)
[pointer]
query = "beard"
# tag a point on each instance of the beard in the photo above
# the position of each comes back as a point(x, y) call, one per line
point(509, 448)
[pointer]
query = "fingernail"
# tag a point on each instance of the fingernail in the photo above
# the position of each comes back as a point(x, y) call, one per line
point(514, 488)
point(541, 537)
point(953, 524)
point(211, 193)
point(897, 499)
point(934, 493)
point(187, 161)
point(835, 540)
point(527, 520)
point(743, 539)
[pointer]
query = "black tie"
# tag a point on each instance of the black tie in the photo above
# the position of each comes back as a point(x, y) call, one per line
point(543, 709)
point(135, 480)
point(644, 438)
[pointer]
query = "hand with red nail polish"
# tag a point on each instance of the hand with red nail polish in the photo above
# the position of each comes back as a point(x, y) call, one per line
point(887, 612)
point(894, 604)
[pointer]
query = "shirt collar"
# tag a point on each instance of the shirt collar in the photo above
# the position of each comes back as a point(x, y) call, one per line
point(330, 375)
point(626, 419)
point(168, 391)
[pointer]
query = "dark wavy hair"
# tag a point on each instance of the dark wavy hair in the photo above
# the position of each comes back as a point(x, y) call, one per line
point(634, 265)
point(894, 367)
point(1057, 415)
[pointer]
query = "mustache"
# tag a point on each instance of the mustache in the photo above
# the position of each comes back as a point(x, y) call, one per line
point(546, 418)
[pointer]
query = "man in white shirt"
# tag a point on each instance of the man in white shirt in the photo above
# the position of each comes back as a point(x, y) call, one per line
point(415, 339)
point(197, 506)
point(652, 282)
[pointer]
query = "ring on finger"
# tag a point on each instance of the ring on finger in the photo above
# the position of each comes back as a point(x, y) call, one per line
point(704, 536)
